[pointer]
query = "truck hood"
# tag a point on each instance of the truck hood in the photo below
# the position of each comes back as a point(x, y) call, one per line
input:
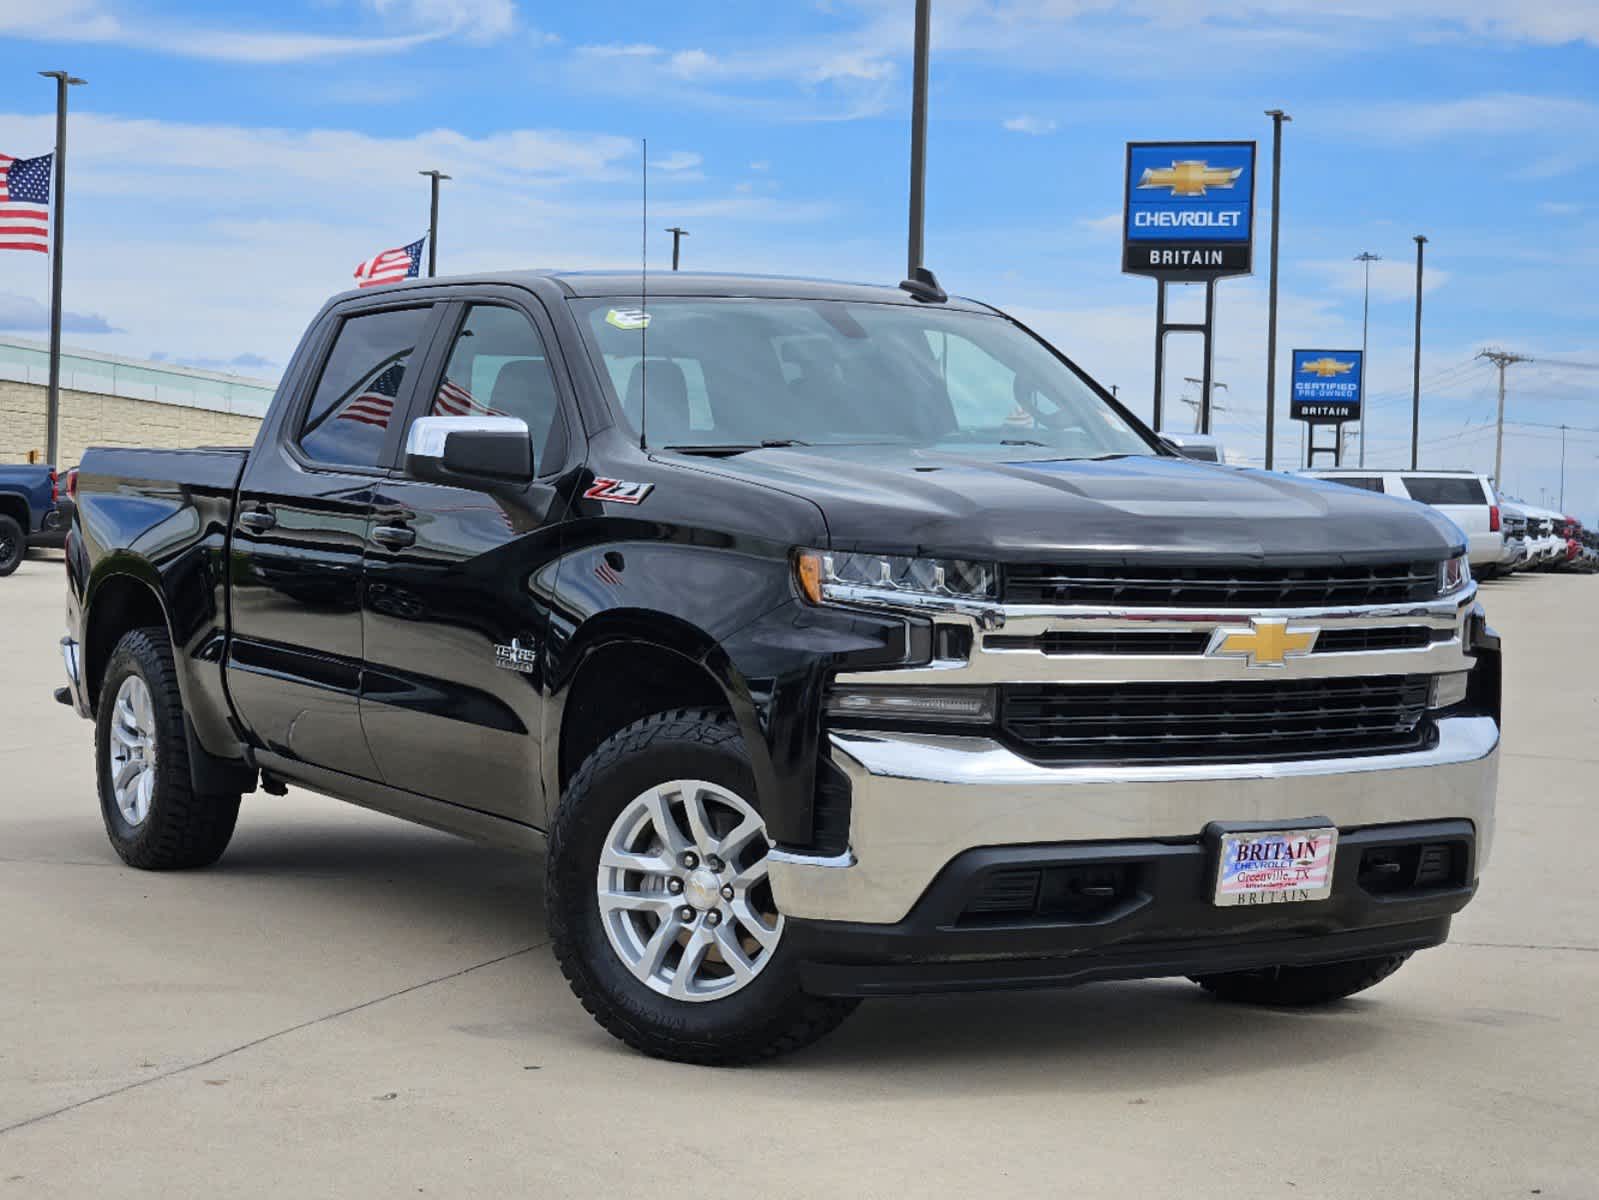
point(903, 500)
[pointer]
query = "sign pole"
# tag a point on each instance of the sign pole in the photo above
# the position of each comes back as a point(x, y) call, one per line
point(1277, 118)
point(52, 407)
point(1160, 350)
point(1206, 370)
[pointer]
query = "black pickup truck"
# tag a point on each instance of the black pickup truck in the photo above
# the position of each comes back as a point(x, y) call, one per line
point(830, 640)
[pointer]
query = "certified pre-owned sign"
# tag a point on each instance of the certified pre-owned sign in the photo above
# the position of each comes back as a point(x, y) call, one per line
point(1190, 209)
point(1327, 386)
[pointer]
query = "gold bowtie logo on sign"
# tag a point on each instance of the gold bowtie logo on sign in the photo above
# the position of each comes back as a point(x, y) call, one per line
point(1326, 368)
point(1191, 177)
point(1266, 643)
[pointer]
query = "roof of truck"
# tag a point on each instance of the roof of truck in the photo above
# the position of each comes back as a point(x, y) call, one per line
point(694, 283)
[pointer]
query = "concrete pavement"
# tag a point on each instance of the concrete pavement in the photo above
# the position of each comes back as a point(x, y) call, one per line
point(348, 1006)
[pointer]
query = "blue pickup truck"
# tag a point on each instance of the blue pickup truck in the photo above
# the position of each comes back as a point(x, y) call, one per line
point(30, 512)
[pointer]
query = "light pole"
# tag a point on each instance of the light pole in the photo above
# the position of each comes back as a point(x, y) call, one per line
point(1366, 257)
point(433, 222)
point(52, 404)
point(678, 234)
point(913, 255)
point(1278, 116)
point(1415, 385)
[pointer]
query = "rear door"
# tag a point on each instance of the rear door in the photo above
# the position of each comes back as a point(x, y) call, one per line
point(455, 615)
point(300, 529)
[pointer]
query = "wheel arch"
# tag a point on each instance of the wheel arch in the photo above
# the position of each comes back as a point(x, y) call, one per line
point(628, 664)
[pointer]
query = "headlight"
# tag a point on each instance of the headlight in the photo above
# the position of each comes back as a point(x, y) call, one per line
point(1453, 575)
point(890, 579)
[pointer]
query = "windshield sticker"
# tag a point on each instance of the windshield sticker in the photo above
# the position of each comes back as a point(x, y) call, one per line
point(628, 318)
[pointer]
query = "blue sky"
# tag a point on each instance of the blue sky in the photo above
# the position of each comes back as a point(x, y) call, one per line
point(232, 162)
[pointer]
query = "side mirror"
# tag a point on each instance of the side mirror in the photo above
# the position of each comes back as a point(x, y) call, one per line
point(469, 451)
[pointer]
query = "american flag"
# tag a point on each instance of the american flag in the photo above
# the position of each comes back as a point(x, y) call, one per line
point(454, 400)
point(374, 403)
point(391, 266)
point(25, 202)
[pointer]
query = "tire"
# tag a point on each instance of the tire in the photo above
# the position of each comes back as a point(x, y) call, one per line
point(177, 828)
point(1301, 987)
point(13, 545)
point(766, 1014)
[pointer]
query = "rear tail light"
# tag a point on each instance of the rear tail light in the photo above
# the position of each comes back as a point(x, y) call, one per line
point(72, 484)
point(1493, 519)
point(55, 487)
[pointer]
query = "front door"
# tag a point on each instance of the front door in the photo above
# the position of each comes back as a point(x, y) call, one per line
point(454, 627)
point(300, 528)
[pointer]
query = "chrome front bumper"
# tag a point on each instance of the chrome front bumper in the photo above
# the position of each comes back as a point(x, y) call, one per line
point(919, 800)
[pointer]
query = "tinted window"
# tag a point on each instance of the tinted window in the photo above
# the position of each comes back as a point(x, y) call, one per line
point(498, 368)
point(1366, 483)
point(1199, 453)
point(353, 405)
point(725, 372)
point(1433, 489)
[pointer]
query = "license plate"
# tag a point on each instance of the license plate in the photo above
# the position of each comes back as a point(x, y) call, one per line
point(1275, 867)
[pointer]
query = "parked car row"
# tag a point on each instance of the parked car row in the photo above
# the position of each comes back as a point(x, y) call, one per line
point(1504, 534)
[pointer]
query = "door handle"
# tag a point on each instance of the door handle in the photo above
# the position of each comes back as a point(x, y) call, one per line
point(395, 537)
point(257, 520)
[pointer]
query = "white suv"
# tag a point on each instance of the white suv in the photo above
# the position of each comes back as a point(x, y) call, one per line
point(1466, 498)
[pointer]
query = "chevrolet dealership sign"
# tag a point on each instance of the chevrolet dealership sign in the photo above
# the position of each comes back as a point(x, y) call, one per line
point(1190, 209)
point(1327, 386)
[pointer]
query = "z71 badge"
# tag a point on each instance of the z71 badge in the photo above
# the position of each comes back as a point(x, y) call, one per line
point(618, 491)
point(514, 657)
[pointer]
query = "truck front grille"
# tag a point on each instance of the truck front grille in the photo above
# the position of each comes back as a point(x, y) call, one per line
point(1217, 722)
point(1220, 587)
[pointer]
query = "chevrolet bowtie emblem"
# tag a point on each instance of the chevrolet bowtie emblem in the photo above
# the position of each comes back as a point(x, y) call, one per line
point(1325, 368)
point(1266, 643)
point(1190, 177)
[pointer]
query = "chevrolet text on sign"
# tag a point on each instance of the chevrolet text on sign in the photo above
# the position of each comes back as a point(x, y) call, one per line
point(1327, 385)
point(1190, 209)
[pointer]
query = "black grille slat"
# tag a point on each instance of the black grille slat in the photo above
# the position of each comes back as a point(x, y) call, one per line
point(1272, 719)
point(1288, 587)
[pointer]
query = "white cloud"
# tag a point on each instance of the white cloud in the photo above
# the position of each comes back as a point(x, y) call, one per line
point(678, 160)
point(414, 23)
point(1391, 279)
point(692, 64)
point(1110, 223)
point(1492, 114)
point(761, 164)
point(1559, 208)
point(620, 50)
point(1037, 126)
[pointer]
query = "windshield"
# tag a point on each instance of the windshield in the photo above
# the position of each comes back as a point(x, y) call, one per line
point(739, 373)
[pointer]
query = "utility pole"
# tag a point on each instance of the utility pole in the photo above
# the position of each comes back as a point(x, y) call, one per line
point(52, 405)
point(433, 222)
point(678, 234)
point(1562, 468)
point(1503, 359)
point(1366, 257)
point(1278, 116)
point(1199, 409)
point(1415, 385)
point(913, 256)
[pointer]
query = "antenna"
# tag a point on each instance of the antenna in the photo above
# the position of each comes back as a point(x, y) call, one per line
point(644, 302)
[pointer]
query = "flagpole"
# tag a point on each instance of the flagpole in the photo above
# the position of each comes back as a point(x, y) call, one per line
point(53, 397)
point(433, 222)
